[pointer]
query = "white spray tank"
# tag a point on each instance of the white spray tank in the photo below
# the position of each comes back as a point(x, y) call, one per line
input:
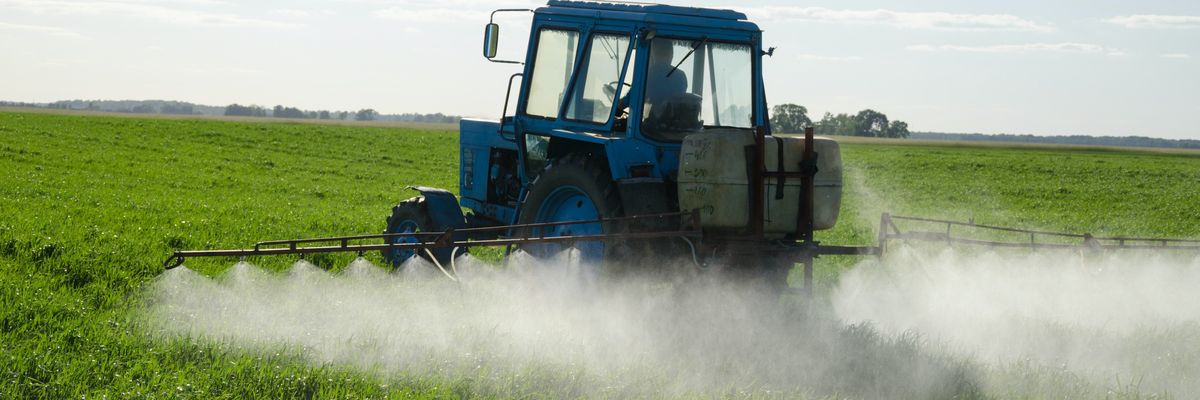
point(713, 179)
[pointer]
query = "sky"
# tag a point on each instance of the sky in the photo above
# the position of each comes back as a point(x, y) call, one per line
point(1043, 67)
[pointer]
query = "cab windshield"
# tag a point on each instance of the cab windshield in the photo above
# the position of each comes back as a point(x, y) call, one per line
point(696, 84)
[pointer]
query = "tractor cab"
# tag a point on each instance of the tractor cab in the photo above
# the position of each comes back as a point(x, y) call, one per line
point(648, 72)
point(615, 88)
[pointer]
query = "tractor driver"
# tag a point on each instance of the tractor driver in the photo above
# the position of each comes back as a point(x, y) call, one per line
point(670, 110)
point(663, 81)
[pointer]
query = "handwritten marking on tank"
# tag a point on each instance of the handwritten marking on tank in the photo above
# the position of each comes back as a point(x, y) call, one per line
point(700, 149)
point(698, 190)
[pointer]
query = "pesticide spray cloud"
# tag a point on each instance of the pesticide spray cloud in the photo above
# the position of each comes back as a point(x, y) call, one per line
point(538, 326)
point(1123, 321)
point(919, 324)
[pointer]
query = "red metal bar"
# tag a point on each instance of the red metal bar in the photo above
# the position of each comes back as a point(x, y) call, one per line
point(806, 183)
point(884, 221)
point(757, 183)
point(808, 169)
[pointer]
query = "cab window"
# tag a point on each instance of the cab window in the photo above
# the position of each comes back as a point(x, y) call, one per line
point(552, 68)
point(694, 84)
point(599, 78)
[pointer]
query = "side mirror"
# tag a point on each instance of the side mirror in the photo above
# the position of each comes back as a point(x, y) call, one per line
point(491, 40)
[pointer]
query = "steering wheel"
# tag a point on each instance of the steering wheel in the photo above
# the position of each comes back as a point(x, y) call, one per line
point(610, 89)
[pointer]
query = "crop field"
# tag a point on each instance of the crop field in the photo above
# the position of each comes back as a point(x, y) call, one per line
point(90, 206)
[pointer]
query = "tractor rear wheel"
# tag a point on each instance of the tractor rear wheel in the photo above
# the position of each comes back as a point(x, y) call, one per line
point(571, 189)
point(410, 216)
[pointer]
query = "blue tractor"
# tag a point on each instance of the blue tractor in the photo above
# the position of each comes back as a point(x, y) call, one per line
point(627, 110)
point(641, 130)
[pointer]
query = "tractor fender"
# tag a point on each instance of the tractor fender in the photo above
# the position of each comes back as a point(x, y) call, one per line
point(443, 208)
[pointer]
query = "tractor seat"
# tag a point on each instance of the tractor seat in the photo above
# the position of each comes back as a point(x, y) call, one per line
point(674, 117)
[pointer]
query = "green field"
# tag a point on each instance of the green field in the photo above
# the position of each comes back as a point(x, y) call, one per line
point(91, 205)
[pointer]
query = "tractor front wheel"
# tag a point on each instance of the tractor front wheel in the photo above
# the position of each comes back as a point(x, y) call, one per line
point(410, 216)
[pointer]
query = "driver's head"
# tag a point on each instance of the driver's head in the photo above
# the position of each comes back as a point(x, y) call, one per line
point(661, 51)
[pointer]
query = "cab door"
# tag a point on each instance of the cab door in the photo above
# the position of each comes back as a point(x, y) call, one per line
point(577, 80)
point(549, 72)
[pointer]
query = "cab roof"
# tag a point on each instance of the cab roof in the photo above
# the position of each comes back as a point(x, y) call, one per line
point(706, 18)
point(649, 8)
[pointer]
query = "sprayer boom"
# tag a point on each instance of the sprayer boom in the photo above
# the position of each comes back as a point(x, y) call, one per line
point(497, 236)
point(1030, 239)
point(889, 230)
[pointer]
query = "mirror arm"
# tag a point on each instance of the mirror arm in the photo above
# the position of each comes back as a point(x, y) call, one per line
point(492, 19)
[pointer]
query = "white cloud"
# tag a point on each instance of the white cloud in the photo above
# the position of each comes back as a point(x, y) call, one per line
point(1080, 48)
point(45, 30)
point(299, 13)
point(1157, 21)
point(407, 14)
point(824, 58)
point(1176, 55)
point(166, 11)
point(293, 13)
point(487, 5)
point(901, 19)
point(437, 11)
point(222, 70)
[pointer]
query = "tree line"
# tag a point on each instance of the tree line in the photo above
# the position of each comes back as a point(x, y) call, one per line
point(793, 118)
point(238, 110)
point(366, 114)
point(186, 108)
point(134, 106)
point(279, 111)
point(1118, 141)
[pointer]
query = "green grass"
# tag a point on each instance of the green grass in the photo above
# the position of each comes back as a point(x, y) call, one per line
point(1105, 192)
point(91, 205)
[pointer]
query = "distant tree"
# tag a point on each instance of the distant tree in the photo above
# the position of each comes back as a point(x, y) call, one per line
point(24, 104)
point(343, 115)
point(789, 118)
point(288, 112)
point(871, 123)
point(245, 111)
point(840, 124)
point(433, 118)
point(898, 129)
point(323, 114)
point(825, 125)
point(367, 114)
point(237, 110)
